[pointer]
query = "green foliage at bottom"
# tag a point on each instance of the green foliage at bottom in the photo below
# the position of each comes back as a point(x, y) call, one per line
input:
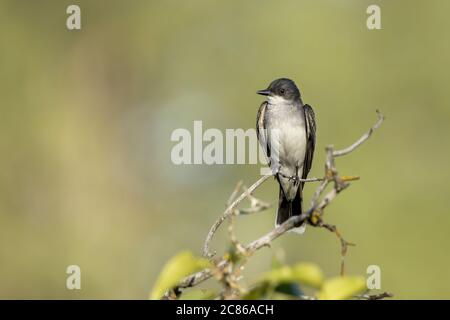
point(282, 282)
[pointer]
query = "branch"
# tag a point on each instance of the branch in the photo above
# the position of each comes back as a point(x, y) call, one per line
point(361, 140)
point(228, 212)
point(265, 240)
point(312, 216)
point(256, 207)
point(344, 243)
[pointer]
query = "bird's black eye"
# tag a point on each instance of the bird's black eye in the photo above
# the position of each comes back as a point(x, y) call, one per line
point(282, 91)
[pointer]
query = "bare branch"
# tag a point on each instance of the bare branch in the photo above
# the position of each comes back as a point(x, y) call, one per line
point(265, 240)
point(344, 243)
point(256, 207)
point(313, 215)
point(228, 212)
point(320, 189)
point(343, 152)
point(234, 240)
point(234, 193)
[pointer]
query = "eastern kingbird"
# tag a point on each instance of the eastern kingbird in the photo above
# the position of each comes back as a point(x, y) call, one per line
point(286, 129)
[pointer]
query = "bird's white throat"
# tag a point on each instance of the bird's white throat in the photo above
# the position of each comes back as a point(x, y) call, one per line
point(277, 100)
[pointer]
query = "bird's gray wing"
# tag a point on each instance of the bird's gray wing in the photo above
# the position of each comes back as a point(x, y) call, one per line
point(310, 139)
point(261, 128)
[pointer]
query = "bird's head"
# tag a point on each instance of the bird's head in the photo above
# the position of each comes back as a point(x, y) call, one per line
point(282, 88)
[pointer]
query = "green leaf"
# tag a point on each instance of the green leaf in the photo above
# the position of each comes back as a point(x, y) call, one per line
point(178, 267)
point(341, 288)
point(304, 273)
point(200, 294)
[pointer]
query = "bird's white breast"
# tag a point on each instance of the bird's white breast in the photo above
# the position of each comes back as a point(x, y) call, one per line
point(287, 136)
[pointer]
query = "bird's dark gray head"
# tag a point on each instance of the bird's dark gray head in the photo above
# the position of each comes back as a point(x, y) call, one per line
point(284, 88)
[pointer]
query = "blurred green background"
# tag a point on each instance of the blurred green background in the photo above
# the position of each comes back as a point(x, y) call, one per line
point(86, 118)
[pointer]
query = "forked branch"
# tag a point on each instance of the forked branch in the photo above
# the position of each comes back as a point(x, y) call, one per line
point(313, 216)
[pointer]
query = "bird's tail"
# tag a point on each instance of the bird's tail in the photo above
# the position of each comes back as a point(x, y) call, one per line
point(287, 209)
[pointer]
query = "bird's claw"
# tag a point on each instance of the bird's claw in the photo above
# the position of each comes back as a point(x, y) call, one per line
point(295, 179)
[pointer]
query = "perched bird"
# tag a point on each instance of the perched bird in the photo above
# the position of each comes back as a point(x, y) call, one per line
point(286, 130)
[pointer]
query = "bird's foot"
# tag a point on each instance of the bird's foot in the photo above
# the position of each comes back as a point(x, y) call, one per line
point(294, 179)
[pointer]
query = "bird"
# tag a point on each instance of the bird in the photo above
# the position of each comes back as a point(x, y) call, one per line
point(286, 130)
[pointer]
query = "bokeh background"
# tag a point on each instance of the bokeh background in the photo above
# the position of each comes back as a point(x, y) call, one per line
point(86, 118)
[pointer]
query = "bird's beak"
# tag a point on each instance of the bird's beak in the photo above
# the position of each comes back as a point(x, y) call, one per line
point(264, 92)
